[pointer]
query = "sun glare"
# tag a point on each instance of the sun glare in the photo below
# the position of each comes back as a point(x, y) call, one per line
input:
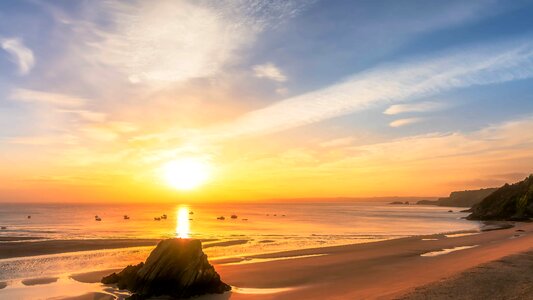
point(186, 173)
point(182, 223)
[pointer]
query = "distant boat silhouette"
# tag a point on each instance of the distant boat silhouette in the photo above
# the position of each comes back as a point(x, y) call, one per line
point(191, 213)
point(245, 219)
point(29, 217)
point(126, 217)
point(97, 218)
point(3, 227)
point(163, 217)
point(157, 219)
point(221, 218)
point(234, 216)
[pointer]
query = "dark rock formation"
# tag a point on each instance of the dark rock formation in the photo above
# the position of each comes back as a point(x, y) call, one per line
point(510, 202)
point(460, 198)
point(176, 267)
point(465, 198)
point(427, 202)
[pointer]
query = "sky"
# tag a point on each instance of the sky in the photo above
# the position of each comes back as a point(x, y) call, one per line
point(282, 99)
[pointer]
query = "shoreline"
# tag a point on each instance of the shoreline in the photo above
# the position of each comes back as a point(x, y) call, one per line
point(375, 270)
point(20, 247)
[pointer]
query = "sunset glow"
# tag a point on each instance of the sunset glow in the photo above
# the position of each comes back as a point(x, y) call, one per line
point(144, 102)
point(187, 173)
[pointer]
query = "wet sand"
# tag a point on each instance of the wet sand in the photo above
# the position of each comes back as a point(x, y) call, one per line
point(22, 249)
point(382, 270)
point(37, 281)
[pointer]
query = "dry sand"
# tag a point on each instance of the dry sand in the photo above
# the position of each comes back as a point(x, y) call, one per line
point(508, 278)
point(382, 270)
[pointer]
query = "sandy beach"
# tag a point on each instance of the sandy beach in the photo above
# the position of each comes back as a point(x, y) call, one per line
point(408, 268)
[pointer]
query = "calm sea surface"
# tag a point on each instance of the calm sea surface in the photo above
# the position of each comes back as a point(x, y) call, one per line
point(258, 228)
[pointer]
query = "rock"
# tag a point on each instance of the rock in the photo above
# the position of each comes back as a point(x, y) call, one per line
point(396, 202)
point(176, 267)
point(466, 198)
point(427, 202)
point(512, 202)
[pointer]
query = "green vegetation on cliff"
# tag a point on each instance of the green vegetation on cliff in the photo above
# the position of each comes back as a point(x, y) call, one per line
point(510, 202)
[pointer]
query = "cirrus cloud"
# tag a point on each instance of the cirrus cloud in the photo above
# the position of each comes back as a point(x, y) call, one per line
point(20, 54)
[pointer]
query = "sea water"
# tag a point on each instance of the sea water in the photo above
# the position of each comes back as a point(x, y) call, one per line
point(257, 228)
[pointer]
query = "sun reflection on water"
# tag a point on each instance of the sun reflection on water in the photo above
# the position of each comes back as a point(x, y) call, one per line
point(182, 222)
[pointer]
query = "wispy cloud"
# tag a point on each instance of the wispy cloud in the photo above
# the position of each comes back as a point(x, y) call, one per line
point(414, 107)
point(61, 100)
point(20, 54)
point(86, 115)
point(169, 41)
point(403, 122)
point(511, 60)
point(269, 71)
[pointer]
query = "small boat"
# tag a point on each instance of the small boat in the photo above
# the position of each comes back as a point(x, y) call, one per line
point(29, 217)
point(3, 227)
point(97, 218)
point(234, 216)
point(163, 217)
point(190, 219)
point(221, 218)
point(157, 219)
point(126, 217)
point(191, 213)
point(245, 219)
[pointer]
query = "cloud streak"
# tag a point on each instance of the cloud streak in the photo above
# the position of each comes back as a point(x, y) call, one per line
point(61, 100)
point(407, 81)
point(20, 54)
point(269, 71)
point(414, 107)
point(404, 122)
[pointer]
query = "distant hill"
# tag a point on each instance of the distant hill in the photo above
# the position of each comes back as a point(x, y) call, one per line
point(460, 198)
point(510, 202)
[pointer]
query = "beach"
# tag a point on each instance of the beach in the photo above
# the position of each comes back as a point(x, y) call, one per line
point(407, 268)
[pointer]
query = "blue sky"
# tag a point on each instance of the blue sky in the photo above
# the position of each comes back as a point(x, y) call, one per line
point(88, 77)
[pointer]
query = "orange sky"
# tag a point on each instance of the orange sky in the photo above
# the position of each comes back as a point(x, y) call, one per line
point(95, 105)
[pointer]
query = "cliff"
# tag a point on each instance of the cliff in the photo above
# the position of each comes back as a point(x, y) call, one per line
point(510, 202)
point(461, 198)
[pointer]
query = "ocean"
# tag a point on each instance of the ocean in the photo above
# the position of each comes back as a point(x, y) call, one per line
point(257, 228)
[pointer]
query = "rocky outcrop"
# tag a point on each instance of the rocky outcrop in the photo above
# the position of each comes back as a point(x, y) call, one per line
point(510, 202)
point(427, 202)
point(176, 267)
point(460, 198)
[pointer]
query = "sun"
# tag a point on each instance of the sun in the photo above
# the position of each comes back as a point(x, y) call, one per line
point(186, 173)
